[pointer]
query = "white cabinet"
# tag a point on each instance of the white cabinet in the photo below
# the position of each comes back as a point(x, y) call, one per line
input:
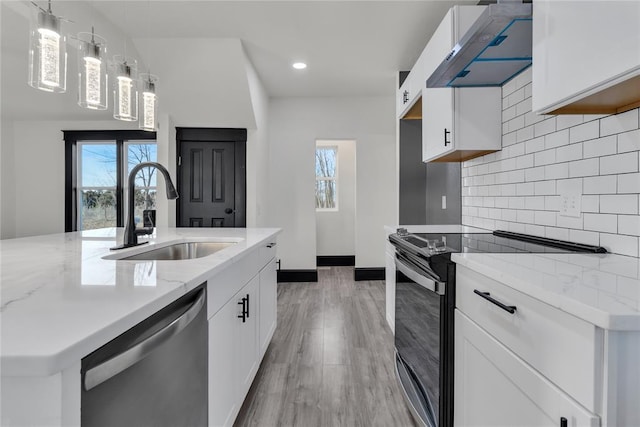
point(494, 387)
point(268, 305)
point(408, 97)
point(390, 285)
point(458, 123)
point(586, 56)
point(546, 363)
point(240, 331)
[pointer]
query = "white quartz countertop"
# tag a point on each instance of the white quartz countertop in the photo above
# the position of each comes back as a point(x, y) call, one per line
point(603, 289)
point(60, 300)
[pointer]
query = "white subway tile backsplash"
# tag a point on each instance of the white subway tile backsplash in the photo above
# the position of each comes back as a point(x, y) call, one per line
point(600, 147)
point(586, 237)
point(584, 132)
point(543, 157)
point(534, 174)
point(588, 167)
point(557, 139)
point(629, 224)
point(620, 244)
point(629, 141)
point(524, 134)
point(569, 120)
point(619, 163)
point(599, 184)
point(534, 203)
point(629, 183)
point(556, 171)
point(544, 188)
point(545, 218)
point(601, 222)
point(619, 123)
point(544, 127)
point(591, 203)
point(569, 153)
point(619, 203)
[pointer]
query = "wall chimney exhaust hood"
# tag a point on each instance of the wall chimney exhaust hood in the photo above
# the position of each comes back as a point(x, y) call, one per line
point(496, 48)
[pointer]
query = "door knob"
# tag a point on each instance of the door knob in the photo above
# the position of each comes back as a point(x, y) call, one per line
point(228, 211)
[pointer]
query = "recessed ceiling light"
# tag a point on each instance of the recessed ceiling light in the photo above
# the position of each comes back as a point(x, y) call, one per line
point(299, 65)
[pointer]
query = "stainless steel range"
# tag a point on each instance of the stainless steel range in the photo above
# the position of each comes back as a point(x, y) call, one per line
point(425, 304)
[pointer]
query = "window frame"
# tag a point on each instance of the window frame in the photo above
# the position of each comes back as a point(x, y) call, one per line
point(72, 138)
point(336, 148)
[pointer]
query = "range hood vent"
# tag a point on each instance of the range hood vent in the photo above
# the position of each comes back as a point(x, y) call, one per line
point(496, 48)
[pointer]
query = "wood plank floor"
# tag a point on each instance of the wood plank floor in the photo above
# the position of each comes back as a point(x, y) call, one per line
point(331, 359)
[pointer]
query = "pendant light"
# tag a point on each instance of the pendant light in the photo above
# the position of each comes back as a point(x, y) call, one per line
point(47, 52)
point(125, 88)
point(92, 71)
point(148, 102)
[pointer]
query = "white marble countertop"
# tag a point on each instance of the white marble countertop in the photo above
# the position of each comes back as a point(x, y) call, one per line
point(603, 289)
point(60, 300)
point(436, 228)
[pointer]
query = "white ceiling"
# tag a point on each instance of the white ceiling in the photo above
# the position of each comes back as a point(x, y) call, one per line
point(352, 48)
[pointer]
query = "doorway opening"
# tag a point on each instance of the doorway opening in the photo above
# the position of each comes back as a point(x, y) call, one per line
point(335, 162)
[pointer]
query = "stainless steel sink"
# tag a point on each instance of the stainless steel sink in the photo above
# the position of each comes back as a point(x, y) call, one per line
point(180, 251)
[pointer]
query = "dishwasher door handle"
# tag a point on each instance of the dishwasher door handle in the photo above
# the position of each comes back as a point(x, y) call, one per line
point(118, 363)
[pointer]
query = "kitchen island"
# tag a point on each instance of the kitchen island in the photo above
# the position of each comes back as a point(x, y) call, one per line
point(61, 300)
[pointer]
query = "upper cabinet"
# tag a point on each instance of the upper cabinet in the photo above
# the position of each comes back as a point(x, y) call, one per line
point(586, 56)
point(409, 96)
point(458, 124)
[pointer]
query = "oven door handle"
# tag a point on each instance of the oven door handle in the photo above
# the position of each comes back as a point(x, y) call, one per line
point(430, 284)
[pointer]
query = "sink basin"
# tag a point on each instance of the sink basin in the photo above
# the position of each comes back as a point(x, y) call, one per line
point(180, 251)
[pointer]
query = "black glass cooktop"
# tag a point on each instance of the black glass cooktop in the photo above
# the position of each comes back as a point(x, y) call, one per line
point(496, 242)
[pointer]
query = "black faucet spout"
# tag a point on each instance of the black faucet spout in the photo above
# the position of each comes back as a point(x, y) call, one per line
point(130, 234)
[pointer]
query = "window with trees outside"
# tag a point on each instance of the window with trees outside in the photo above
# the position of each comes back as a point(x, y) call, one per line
point(327, 178)
point(97, 166)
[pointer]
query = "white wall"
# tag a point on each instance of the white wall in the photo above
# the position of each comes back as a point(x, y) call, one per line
point(335, 230)
point(544, 157)
point(295, 124)
point(7, 182)
point(257, 152)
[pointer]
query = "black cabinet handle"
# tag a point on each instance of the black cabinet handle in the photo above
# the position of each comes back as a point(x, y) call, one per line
point(247, 305)
point(563, 422)
point(446, 141)
point(486, 295)
point(405, 97)
point(245, 311)
point(228, 211)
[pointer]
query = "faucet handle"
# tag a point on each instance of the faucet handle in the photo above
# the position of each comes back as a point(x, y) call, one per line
point(143, 231)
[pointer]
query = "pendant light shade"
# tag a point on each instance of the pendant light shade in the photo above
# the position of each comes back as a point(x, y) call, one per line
point(125, 89)
point(92, 71)
point(148, 102)
point(47, 53)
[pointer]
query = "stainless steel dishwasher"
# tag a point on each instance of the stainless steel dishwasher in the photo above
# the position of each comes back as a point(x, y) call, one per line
point(155, 374)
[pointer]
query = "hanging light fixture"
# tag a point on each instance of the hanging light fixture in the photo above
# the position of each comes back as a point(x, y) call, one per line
point(92, 71)
point(148, 102)
point(47, 52)
point(125, 89)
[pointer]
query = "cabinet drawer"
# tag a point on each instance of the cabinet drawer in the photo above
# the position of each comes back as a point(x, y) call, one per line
point(565, 349)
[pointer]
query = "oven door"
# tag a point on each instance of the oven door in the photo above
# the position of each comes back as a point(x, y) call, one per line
point(419, 304)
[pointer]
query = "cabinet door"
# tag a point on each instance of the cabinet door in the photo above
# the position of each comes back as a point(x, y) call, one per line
point(494, 387)
point(437, 123)
point(577, 55)
point(268, 305)
point(223, 379)
point(247, 356)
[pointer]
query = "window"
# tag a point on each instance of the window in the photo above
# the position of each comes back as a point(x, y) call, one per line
point(97, 164)
point(327, 178)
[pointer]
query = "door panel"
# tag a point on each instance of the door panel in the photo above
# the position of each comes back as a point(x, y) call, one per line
point(208, 178)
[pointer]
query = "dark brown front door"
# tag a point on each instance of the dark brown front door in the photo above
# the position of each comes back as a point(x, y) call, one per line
point(211, 179)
